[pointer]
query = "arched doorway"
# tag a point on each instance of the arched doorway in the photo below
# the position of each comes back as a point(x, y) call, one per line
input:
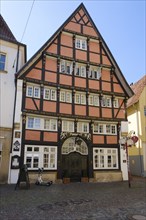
point(74, 159)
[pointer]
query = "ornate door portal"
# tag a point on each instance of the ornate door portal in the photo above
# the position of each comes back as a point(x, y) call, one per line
point(74, 159)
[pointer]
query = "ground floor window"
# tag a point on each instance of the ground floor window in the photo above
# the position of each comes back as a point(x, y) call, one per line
point(105, 158)
point(41, 156)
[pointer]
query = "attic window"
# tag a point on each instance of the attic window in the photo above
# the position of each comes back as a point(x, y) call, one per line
point(81, 44)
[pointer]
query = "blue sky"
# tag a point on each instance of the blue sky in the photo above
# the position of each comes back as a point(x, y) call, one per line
point(121, 24)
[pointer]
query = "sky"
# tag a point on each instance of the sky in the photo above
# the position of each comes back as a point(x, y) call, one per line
point(122, 24)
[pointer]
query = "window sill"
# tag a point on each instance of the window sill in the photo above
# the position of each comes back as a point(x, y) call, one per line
point(4, 71)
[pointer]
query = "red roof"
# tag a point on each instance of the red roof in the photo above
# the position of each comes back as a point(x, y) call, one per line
point(5, 32)
point(137, 89)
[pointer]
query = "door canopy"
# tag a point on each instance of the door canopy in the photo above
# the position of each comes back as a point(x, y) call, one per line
point(75, 144)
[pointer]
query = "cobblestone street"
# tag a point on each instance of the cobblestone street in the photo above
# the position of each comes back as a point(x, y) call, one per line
point(75, 201)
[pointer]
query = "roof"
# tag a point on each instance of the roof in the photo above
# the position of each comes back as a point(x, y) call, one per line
point(137, 89)
point(5, 32)
point(38, 54)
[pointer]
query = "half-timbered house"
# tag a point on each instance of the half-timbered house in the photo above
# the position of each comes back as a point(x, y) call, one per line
point(69, 108)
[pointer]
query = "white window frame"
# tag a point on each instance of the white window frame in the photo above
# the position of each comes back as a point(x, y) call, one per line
point(102, 128)
point(28, 90)
point(94, 72)
point(51, 124)
point(116, 103)
point(81, 43)
point(33, 93)
point(51, 151)
point(80, 98)
point(65, 96)
point(93, 100)
point(101, 158)
point(80, 70)
point(106, 101)
point(81, 127)
point(67, 126)
point(52, 94)
point(34, 123)
point(63, 67)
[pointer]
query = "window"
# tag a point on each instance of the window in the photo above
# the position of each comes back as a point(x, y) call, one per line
point(145, 110)
point(80, 70)
point(105, 128)
point(65, 96)
point(116, 103)
point(50, 124)
point(2, 62)
point(95, 72)
point(33, 123)
point(66, 67)
point(36, 92)
point(68, 126)
point(93, 100)
point(50, 94)
point(81, 44)
point(105, 158)
point(106, 101)
point(80, 98)
point(41, 156)
point(33, 91)
point(83, 127)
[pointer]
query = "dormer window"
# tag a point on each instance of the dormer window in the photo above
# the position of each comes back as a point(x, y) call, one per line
point(81, 43)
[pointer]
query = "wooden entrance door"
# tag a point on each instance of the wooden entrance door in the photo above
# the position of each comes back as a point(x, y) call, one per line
point(74, 166)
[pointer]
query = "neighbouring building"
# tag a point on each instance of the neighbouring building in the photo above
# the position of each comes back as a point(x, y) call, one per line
point(136, 112)
point(70, 106)
point(12, 58)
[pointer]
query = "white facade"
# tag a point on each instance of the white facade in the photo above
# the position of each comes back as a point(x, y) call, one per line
point(7, 81)
point(14, 52)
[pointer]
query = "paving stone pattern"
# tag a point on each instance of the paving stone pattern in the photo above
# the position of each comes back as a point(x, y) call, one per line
point(75, 201)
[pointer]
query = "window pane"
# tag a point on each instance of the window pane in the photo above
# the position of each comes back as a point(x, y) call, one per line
point(29, 91)
point(37, 92)
point(30, 123)
point(37, 123)
point(68, 97)
point(2, 61)
point(47, 124)
point(53, 125)
point(62, 96)
point(77, 98)
point(28, 161)
point(83, 99)
point(47, 94)
point(96, 100)
point(53, 94)
point(35, 162)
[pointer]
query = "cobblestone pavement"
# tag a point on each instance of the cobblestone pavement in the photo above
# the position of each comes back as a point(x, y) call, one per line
point(75, 201)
